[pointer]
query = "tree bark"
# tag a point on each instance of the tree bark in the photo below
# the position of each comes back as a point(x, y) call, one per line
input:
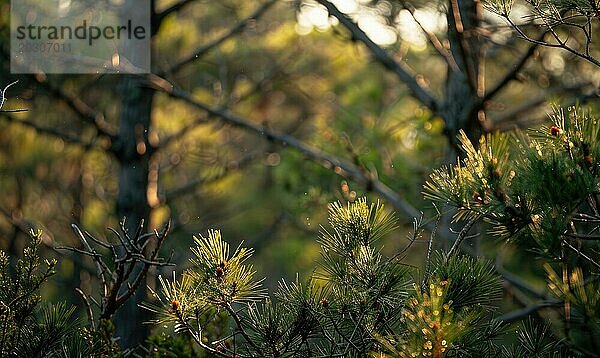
point(132, 204)
point(464, 87)
point(133, 153)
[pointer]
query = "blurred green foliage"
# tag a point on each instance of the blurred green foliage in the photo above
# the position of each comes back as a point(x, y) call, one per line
point(318, 85)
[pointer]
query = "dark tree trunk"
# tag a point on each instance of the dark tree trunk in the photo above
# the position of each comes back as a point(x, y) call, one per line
point(132, 203)
point(133, 154)
point(464, 86)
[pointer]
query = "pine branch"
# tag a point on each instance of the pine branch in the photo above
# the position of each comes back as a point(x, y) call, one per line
point(240, 327)
point(197, 337)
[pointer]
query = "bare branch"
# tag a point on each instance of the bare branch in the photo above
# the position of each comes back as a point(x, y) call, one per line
point(99, 242)
point(49, 131)
point(148, 261)
point(399, 68)
point(512, 74)
point(462, 234)
point(560, 43)
point(88, 307)
point(525, 312)
point(120, 288)
point(338, 165)
point(85, 112)
point(447, 55)
point(118, 235)
point(161, 239)
point(185, 188)
point(173, 8)
point(240, 26)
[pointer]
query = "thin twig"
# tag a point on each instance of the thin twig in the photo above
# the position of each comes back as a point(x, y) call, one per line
point(68, 138)
point(88, 307)
point(560, 43)
point(512, 74)
point(447, 55)
point(429, 250)
point(461, 236)
point(238, 323)
point(339, 166)
point(513, 316)
point(399, 68)
point(241, 25)
point(586, 257)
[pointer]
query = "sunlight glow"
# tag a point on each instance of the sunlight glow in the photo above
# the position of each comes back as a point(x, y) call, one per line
point(313, 16)
point(378, 31)
point(407, 27)
point(63, 7)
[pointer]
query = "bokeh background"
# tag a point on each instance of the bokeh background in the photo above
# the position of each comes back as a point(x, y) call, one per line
point(94, 148)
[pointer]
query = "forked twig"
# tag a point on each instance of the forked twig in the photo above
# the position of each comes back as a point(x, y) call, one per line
point(3, 99)
point(128, 253)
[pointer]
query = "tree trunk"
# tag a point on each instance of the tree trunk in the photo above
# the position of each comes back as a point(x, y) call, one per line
point(464, 85)
point(132, 203)
point(133, 154)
